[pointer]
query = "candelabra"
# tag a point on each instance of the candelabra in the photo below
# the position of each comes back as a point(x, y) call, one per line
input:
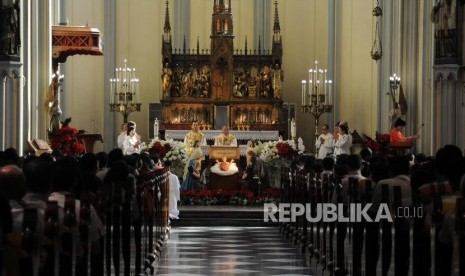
point(317, 95)
point(394, 84)
point(124, 92)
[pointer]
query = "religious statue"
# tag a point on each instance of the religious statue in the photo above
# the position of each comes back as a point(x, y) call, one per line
point(240, 85)
point(444, 15)
point(277, 82)
point(204, 83)
point(226, 138)
point(53, 102)
point(293, 129)
point(265, 84)
point(156, 127)
point(9, 27)
point(166, 81)
point(176, 85)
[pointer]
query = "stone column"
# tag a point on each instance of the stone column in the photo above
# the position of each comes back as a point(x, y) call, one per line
point(11, 106)
point(446, 86)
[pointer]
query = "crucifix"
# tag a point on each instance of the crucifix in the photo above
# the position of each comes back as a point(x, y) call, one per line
point(218, 84)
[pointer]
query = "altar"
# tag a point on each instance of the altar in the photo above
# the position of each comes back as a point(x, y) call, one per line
point(224, 174)
point(241, 135)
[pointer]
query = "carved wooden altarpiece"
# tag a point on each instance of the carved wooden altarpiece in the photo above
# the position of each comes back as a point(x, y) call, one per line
point(248, 81)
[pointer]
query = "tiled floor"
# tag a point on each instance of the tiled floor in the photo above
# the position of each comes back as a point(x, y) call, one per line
point(230, 251)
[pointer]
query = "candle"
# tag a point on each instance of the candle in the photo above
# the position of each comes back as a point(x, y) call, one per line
point(304, 86)
point(326, 92)
point(330, 93)
point(325, 83)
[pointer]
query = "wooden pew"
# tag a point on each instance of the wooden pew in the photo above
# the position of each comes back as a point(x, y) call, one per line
point(460, 228)
point(401, 238)
point(29, 243)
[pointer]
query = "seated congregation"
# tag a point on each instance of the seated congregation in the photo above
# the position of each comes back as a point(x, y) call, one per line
point(100, 214)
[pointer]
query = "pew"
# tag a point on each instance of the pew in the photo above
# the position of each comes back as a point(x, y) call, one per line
point(339, 248)
point(60, 241)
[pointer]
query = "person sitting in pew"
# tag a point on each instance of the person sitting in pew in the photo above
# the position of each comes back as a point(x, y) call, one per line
point(66, 182)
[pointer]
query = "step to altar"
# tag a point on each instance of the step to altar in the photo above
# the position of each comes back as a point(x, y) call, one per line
point(194, 215)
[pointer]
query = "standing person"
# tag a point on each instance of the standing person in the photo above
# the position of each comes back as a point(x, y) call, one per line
point(122, 135)
point(226, 138)
point(132, 141)
point(194, 137)
point(192, 171)
point(255, 168)
point(174, 192)
point(397, 136)
point(325, 142)
point(342, 144)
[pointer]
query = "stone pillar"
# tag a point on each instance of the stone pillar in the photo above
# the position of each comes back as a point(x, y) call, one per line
point(11, 106)
point(446, 86)
point(109, 72)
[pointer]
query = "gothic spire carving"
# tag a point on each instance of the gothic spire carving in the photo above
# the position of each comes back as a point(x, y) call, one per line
point(276, 26)
point(167, 26)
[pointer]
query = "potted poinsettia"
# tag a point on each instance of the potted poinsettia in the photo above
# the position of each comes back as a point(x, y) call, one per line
point(64, 140)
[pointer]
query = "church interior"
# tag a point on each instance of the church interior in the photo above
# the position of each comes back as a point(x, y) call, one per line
point(207, 137)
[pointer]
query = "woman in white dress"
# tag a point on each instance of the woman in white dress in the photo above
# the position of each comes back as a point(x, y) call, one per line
point(132, 140)
point(342, 144)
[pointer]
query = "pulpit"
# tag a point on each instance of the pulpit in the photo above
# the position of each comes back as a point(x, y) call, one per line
point(227, 182)
point(400, 147)
point(89, 140)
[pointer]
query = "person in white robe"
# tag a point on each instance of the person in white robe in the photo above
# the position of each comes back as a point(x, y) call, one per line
point(343, 143)
point(132, 141)
point(122, 135)
point(226, 138)
point(325, 142)
point(174, 193)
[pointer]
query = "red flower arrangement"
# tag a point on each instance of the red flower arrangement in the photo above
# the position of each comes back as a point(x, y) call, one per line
point(160, 149)
point(285, 150)
point(220, 197)
point(64, 140)
point(380, 144)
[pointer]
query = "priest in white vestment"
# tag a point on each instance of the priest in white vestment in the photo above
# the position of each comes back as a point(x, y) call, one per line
point(325, 142)
point(226, 138)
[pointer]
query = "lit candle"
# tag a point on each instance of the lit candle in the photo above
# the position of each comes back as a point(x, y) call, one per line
point(304, 85)
point(326, 92)
point(325, 83)
point(315, 74)
point(330, 93)
point(138, 90)
point(317, 88)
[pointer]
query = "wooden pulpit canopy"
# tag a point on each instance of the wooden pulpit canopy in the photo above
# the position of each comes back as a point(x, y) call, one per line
point(75, 40)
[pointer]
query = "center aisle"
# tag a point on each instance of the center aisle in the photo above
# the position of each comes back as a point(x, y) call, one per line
point(229, 251)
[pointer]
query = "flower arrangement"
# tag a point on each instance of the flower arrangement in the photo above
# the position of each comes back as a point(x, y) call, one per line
point(220, 197)
point(380, 144)
point(273, 152)
point(171, 150)
point(64, 140)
